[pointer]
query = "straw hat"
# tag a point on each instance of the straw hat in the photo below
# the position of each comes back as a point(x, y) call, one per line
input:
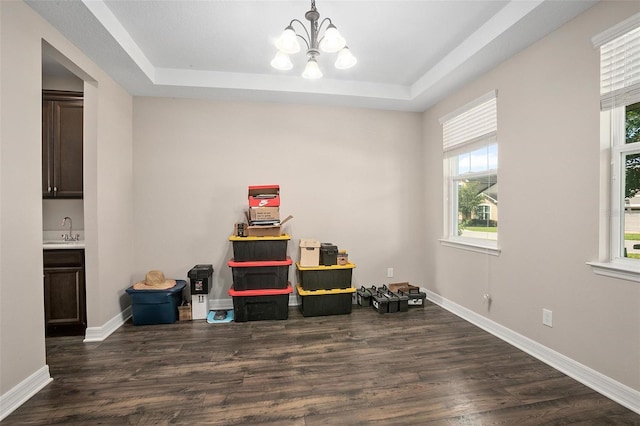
point(154, 280)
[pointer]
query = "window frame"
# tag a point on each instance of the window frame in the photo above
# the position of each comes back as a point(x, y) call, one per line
point(613, 148)
point(486, 136)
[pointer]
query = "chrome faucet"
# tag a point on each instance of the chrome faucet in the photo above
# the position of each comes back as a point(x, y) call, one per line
point(70, 236)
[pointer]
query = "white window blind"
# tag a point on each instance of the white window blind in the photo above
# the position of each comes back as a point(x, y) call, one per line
point(476, 121)
point(620, 70)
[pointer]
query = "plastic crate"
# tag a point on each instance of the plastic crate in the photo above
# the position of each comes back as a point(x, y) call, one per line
point(156, 306)
point(415, 297)
point(272, 274)
point(259, 305)
point(403, 302)
point(325, 277)
point(380, 302)
point(251, 249)
point(397, 297)
point(328, 254)
point(325, 302)
point(363, 297)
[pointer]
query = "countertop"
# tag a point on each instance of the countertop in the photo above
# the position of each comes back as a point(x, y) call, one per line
point(59, 244)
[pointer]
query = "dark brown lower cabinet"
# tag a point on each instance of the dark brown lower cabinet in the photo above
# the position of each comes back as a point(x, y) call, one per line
point(64, 292)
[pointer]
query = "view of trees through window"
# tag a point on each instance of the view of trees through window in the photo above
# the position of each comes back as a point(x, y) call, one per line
point(632, 184)
point(476, 188)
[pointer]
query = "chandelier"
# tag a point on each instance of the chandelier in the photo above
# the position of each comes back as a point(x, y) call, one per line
point(331, 42)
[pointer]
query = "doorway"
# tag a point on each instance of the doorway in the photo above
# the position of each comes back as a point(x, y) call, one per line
point(62, 200)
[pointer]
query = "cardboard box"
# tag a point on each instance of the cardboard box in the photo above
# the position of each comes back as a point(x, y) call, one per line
point(264, 213)
point(264, 196)
point(265, 230)
point(405, 287)
point(309, 252)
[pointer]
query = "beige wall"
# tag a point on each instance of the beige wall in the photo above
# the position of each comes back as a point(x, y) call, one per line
point(352, 177)
point(108, 206)
point(548, 131)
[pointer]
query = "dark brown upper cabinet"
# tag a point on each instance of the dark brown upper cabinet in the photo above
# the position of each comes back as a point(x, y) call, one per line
point(62, 114)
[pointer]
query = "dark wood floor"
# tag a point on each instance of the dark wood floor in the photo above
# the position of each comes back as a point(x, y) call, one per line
point(422, 367)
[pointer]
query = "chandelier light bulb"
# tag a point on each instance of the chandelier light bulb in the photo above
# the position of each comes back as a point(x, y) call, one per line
point(332, 41)
point(288, 41)
point(345, 59)
point(281, 61)
point(312, 71)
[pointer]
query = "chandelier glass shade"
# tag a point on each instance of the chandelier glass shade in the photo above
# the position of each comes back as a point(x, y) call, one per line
point(331, 42)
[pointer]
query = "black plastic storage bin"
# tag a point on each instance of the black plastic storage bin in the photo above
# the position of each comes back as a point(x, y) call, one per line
point(363, 297)
point(325, 302)
point(156, 306)
point(399, 297)
point(415, 297)
point(248, 249)
point(394, 302)
point(271, 274)
point(380, 302)
point(403, 302)
point(328, 254)
point(325, 277)
point(259, 305)
point(200, 277)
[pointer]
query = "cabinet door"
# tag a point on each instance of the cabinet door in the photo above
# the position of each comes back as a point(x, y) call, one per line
point(47, 149)
point(64, 300)
point(67, 148)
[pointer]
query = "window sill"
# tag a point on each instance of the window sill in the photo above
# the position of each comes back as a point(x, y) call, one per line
point(490, 247)
point(621, 270)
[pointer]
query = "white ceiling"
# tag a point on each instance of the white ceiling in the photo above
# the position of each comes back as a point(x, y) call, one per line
point(410, 53)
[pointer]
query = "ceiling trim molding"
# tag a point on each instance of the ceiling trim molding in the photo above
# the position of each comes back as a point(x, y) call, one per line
point(109, 21)
point(506, 18)
point(229, 80)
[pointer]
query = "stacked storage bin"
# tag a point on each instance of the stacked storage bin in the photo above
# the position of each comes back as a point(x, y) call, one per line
point(260, 268)
point(260, 264)
point(323, 289)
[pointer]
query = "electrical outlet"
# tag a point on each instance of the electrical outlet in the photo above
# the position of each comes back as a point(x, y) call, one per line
point(389, 272)
point(547, 317)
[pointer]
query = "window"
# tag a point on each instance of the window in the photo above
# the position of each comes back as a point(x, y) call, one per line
point(620, 145)
point(471, 175)
point(626, 183)
point(483, 213)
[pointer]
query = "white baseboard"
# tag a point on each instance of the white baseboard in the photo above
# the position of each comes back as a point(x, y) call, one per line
point(612, 389)
point(98, 334)
point(24, 390)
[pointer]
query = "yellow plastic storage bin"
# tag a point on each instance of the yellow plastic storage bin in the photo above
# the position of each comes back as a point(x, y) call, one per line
point(325, 277)
point(314, 303)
